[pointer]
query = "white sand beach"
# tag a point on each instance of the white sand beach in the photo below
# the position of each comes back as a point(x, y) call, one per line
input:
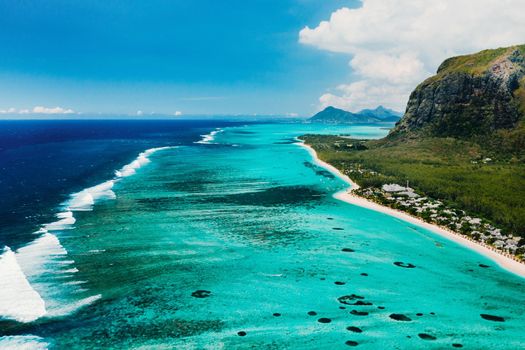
point(505, 262)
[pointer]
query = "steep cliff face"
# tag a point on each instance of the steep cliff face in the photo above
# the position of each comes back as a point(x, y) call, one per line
point(469, 96)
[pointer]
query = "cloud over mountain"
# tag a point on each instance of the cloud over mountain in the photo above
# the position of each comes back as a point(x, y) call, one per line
point(395, 44)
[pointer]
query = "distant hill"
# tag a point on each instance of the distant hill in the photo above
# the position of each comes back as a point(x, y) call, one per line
point(471, 97)
point(382, 113)
point(332, 115)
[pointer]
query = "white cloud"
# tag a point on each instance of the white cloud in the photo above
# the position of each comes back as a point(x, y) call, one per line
point(395, 44)
point(8, 111)
point(177, 113)
point(52, 110)
point(38, 110)
point(139, 112)
point(366, 94)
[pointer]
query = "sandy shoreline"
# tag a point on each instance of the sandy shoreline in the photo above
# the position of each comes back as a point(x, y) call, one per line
point(503, 261)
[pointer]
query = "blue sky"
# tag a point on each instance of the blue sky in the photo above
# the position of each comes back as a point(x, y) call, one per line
point(198, 57)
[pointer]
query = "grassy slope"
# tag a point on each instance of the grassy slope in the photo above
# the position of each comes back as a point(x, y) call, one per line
point(442, 169)
point(473, 64)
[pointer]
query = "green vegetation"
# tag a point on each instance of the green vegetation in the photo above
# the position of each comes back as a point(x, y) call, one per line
point(478, 97)
point(462, 174)
point(474, 64)
point(519, 95)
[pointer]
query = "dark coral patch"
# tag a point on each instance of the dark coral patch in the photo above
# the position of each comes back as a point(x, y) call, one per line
point(457, 345)
point(342, 307)
point(312, 313)
point(426, 336)
point(347, 299)
point(347, 250)
point(338, 228)
point(201, 293)
point(277, 314)
point(318, 170)
point(484, 266)
point(270, 197)
point(241, 334)
point(339, 283)
point(329, 218)
point(359, 313)
point(400, 317)
point(492, 318)
point(364, 274)
point(419, 314)
point(324, 320)
point(405, 265)
point(351, 343)
point(381, 307)
point(354, 329)
point(363, 303)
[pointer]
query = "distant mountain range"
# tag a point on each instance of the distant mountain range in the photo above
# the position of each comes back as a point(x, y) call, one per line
point(332, 115)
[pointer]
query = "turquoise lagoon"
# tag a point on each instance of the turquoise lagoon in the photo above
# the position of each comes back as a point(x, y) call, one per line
point(236, 243)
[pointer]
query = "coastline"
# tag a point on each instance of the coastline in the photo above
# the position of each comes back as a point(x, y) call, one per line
point(347, 195)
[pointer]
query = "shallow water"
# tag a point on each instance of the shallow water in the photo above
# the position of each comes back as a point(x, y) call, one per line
point(241, 234)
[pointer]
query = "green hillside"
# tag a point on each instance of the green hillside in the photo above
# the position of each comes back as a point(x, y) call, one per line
point(461, 141)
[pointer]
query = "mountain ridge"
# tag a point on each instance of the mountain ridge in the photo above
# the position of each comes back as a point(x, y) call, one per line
point(332, 115)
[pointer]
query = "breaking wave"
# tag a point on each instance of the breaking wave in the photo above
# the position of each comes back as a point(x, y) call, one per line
point(18, 300)
point(23, 342)
point(140, 161)
point(39, 278)
point(209, 138)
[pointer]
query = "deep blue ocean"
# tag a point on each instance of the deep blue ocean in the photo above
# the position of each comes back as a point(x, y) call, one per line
point(223, 235)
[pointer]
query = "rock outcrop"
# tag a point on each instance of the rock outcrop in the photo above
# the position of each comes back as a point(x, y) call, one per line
point(471, 95)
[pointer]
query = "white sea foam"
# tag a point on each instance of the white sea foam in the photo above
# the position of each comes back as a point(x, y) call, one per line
point(18, 300)
point(36, 257)
point(37, 280)
point(23, 342)
point(74, 283)
point(49, 269)
point(141, 160)
point(85, 199)
point(74, 306)
point(209, 138)
point(65, 221)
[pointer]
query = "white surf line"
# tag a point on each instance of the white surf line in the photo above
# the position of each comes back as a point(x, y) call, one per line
point(23, 342)
point(208, 138)
point(45, 256)
point(18, 300)
point(347, 196)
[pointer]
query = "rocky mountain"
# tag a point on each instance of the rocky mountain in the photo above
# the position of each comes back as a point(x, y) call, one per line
point(382, 114)
point(332, 115)
point(470, 96)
